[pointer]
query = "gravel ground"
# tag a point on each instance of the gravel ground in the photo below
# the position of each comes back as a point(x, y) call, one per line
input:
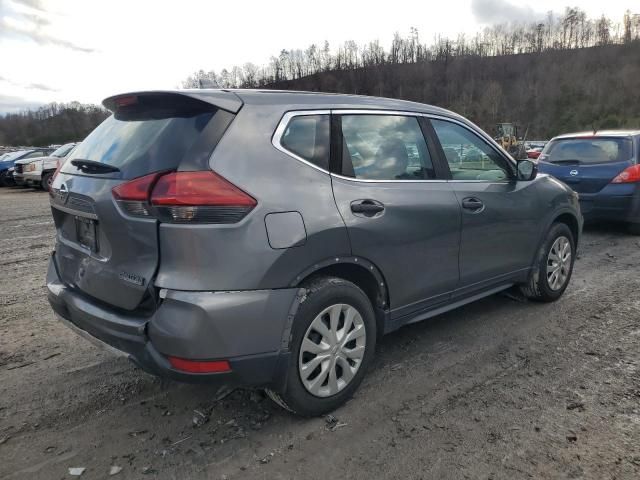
point(497, 389)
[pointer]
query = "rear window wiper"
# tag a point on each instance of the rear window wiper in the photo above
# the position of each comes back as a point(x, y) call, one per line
point(565, 162)
point(91, 166)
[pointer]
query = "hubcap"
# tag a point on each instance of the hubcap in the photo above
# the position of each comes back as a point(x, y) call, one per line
point(559, 263)
point(332, 350)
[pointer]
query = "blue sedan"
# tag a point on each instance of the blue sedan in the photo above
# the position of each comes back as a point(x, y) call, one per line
point(8, 160)
point(604, 168)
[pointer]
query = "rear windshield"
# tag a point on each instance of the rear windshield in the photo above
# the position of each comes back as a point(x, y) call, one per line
point(588, 150)
point(138, 145)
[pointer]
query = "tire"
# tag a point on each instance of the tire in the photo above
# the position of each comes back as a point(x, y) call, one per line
point(46, 179)
point(324, 296)
point(4, 180)
point(541, 286)
point(634, 228)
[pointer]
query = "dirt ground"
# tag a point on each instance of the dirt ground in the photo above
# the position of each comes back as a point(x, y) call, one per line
point(497, 389)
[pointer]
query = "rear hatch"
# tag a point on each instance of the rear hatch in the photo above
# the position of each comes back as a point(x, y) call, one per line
point(587, 164)
point(108, 248)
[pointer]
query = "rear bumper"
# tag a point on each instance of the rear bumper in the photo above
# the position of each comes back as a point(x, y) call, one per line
point(245, 328)
point(614, 202)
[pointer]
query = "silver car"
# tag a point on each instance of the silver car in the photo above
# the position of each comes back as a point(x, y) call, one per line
point(268, 239)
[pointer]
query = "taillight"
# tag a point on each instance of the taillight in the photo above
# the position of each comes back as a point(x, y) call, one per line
point(133, 196)
point(628, 175)
point(185, 197)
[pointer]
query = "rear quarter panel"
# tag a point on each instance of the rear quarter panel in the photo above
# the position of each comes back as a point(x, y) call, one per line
point(239, 256)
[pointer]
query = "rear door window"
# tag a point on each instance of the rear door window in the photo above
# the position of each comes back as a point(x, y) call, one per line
point(307, 136)
point(384, 147)
point(588, 150)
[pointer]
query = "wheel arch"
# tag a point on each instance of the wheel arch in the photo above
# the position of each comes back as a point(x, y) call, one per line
point(570, 221)
point(566, 217)
point(359, 271)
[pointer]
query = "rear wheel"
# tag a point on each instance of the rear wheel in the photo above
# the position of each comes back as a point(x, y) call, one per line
point(634, 228)
point(47, 178)
point(554, 265)
point(332, 343)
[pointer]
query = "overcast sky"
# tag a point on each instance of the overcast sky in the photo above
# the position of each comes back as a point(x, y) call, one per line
point(86, 50)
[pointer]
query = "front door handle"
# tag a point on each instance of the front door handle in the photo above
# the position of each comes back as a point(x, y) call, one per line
point(368, 208)
point(473, 204)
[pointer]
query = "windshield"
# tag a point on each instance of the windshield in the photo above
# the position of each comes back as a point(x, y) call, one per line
point(588, 150)
point(64, 150)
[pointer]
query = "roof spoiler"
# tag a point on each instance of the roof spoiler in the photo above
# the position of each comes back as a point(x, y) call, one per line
point(223, 99)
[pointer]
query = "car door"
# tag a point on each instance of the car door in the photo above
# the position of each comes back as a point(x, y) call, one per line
point(399, 215)
point(500, 226)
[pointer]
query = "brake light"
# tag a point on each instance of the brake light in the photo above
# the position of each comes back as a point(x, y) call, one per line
point(133, 196)
point(197, 366)
point(126, 101)
point(136, 190)
point(184, 197)
point(628, 175)
point(202, 196)
point(198, 188)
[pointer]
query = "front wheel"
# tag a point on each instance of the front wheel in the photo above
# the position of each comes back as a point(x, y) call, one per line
point(332, 342)
point(554, 265)
point(46, 181)
point(6, 180)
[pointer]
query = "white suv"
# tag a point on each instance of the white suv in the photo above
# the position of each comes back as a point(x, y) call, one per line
point(39, 172)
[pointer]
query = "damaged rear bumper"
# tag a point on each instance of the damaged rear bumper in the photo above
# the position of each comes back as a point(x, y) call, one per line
point(249, 329)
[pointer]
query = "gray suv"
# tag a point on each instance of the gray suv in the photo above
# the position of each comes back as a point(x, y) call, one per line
point(268, 239)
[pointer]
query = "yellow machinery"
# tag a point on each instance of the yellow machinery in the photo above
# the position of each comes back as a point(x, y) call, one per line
point(507, 136)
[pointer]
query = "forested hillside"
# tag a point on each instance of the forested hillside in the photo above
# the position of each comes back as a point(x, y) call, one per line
point(551, 92)
point(55, 123)
point(568, 72)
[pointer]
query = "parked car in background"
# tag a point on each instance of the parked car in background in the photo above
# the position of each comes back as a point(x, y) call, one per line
point(6, 167)
point(270, 238)
point(534, 153)
point(19, 161)
point(604, 168)
point(39, 172)
point(533, 148)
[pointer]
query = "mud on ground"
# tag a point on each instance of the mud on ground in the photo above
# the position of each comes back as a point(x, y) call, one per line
point(497, 389)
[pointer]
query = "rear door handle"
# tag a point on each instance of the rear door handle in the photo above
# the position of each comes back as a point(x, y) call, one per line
point(367, 207)
point(473, 204)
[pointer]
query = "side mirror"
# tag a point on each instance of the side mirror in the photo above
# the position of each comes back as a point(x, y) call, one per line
point(527, 170)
